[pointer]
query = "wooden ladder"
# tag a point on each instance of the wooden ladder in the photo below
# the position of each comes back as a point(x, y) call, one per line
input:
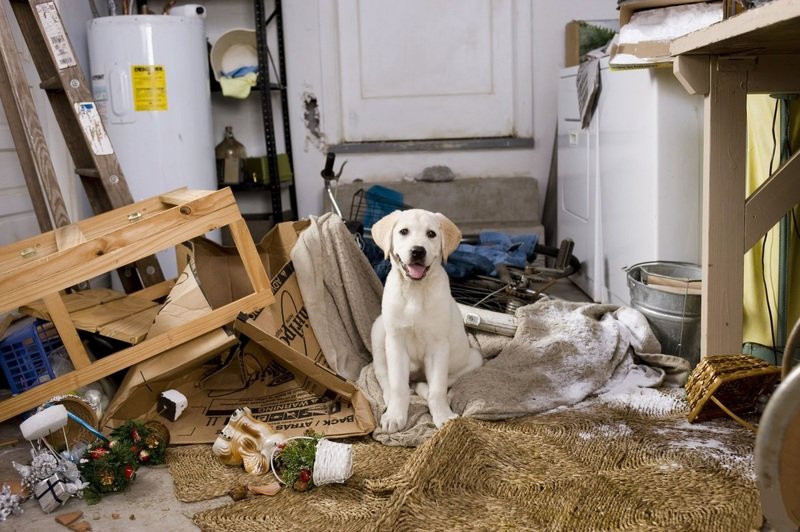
point(75, 111)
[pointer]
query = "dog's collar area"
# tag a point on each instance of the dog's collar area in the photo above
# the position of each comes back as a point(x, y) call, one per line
point(415, 272)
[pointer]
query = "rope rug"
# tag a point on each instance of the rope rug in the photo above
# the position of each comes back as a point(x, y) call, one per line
point(595, 466)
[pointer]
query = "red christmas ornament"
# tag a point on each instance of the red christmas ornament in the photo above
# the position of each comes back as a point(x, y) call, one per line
point(98, 453)
point(135, 435)
point(144, 455)
point(304, 475)
point(129, 472)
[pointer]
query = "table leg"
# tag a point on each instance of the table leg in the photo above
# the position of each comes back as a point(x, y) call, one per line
point(724, 168)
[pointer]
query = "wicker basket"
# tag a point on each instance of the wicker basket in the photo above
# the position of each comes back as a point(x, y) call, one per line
point(728, 385)
point(75, 432)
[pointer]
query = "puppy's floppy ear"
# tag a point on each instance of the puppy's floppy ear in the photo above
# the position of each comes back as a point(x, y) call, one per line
point(382, 232)
point(451, 235)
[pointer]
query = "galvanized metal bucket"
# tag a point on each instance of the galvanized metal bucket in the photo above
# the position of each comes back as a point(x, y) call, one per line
point(673, 316)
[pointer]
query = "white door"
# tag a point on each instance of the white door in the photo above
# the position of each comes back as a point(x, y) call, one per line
point(436, 70)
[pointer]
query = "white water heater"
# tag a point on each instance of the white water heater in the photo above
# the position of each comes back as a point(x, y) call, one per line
point(149, 76)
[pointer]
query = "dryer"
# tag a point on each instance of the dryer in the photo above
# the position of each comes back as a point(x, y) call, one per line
point(630, 185)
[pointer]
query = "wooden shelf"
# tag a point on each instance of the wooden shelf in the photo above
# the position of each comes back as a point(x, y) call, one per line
point(772, 28)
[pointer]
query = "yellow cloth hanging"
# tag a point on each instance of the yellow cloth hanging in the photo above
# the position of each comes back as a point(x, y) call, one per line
point(238, 87)
point(760, 109)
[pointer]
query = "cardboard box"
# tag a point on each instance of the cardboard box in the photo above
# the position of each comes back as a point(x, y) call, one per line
point(651, 53)
point(577, 41)
point(271, 379)
point(279, 372)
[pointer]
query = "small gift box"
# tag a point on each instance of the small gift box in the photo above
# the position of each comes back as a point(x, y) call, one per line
point(51, 492)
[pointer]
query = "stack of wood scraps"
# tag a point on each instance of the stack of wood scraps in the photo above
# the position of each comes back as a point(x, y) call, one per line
point(673, 285)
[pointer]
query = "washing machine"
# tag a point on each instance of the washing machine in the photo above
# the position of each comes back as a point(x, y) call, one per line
point(630, 184)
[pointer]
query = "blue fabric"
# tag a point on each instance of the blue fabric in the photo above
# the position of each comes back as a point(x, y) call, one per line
point(239, 72)
point(500, 248)
point(463, 264)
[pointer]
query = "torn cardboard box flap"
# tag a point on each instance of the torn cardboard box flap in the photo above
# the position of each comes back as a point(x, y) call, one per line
point(281, 387)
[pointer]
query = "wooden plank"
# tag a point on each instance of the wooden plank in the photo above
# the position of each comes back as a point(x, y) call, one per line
point(771, 200)
point(22, 283)
point(134, 354)
point(770, 28)
point(48, 274)
point(775, 74)
point(131, 329)
point(68, 236)
point(94, 318)
point(249, 255)
point(181, 196)
point(724, 166)
point(157, 291)
point(66, 330)
point(126, 318)
point(73, 302)
point(26, 130)
point(20, 253)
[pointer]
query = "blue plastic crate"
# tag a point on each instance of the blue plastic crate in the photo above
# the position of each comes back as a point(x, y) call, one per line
point(23, 353)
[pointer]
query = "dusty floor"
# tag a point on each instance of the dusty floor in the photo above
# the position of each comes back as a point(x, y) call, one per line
point(149, 504)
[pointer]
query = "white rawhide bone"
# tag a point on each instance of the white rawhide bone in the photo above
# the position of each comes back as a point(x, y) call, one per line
point(44, 423)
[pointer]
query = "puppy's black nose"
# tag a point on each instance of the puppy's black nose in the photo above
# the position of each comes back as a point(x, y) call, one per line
point(417, 253)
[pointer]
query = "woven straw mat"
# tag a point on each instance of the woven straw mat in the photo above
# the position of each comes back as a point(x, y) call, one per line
point(596, 466)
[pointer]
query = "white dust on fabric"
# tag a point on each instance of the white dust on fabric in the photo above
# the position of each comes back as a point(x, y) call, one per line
point(649, 401)
point(619, 430)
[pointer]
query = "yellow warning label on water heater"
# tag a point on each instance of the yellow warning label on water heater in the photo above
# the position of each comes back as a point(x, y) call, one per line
point(149, 87)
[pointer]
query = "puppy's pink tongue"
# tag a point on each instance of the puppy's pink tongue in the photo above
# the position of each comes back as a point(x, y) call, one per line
point(416, 271)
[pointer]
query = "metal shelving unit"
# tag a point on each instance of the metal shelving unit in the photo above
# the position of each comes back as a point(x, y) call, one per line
point(267, 88)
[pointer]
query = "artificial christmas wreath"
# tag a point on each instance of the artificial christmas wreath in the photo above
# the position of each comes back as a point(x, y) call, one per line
point(110, 466)
point(147, 441)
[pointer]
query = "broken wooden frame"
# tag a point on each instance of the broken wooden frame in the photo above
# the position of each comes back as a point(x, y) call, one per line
point(42, 266)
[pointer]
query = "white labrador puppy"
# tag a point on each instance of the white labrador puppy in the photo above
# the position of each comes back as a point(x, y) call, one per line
point(420, 333)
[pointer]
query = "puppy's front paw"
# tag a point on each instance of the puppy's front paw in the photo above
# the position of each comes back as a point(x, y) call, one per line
point(393, 421)
point(440, 417)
